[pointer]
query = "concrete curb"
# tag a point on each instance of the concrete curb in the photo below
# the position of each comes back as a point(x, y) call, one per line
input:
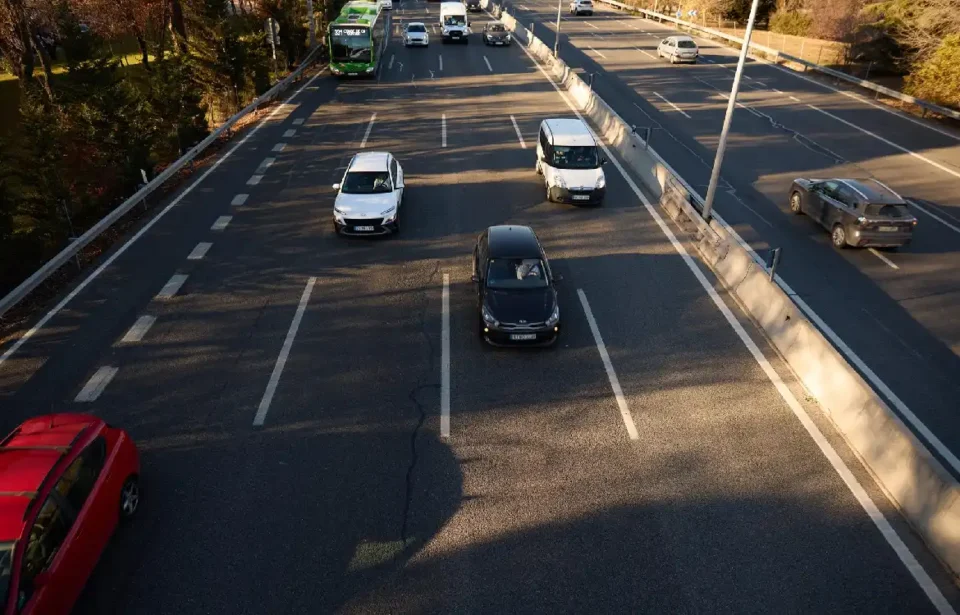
point(915, 481)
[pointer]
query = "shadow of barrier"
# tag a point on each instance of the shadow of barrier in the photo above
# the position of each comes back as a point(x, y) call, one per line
point(915, 481)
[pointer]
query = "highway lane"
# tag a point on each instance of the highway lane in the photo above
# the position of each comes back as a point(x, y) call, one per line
point(899, 321)
point(347, 498)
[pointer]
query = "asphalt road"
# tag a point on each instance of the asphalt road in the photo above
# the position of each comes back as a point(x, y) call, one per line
point(348, 498)
point(895, 310)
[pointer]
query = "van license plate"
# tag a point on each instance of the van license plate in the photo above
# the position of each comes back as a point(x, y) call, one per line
point(889, 229)
point(519, 337)
point(581, 197)
point(362, 228)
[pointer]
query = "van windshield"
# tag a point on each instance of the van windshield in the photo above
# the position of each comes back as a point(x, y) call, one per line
point(575, 157)
point(454, 20)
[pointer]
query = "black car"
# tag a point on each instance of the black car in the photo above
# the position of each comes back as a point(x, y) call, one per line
point(496, 34)
point(860, 213)
point(473, 5)
point(516, 297)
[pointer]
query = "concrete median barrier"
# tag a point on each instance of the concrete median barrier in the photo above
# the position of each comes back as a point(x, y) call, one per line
point(927, 495)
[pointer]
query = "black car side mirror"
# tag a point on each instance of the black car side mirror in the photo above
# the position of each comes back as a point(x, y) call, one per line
point(557, 278)
point(603, 160)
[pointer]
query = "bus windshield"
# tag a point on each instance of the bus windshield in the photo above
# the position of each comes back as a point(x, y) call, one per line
point(350, 44)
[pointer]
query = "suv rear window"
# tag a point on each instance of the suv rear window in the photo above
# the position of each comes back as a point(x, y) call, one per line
point(887, 210)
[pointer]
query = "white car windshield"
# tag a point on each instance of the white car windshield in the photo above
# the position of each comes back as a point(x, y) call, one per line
point(366, 182)
point(516, 273)
point(416, 28)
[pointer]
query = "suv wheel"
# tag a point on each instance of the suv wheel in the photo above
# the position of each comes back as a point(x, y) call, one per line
point(839, 237)
point(795, 204)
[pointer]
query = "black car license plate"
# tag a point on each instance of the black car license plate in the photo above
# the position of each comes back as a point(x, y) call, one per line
point(520, 337)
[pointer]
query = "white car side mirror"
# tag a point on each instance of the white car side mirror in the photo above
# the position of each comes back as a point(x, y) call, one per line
point(336, 186)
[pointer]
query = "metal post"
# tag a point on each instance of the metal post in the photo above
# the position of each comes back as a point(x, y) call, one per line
point(728, 120)
point(590, 84)
point(312, 24)
point(774, 261)
point(556, 40)
point(867, 76)
point(819, 53)
point(803, 42)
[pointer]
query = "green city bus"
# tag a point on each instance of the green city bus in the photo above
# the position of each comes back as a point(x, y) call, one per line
point(356, 39)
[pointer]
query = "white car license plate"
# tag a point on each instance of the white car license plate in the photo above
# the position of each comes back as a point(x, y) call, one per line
point(581, 197)
point(888, 229)
point(498, 43)
point(362, 228)
point(519, 337)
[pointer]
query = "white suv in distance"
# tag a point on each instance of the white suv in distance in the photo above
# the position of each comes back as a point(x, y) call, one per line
point(678, 49)
point(581, 7)
point(416, 34)
point(369, 196)
point(385, 4)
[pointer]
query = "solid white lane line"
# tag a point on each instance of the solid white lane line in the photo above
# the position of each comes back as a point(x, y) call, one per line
point(932, 163)
point(890, 535)
point(221, 223)
point(443, 130)
point(708, 60)
point(172, 287)
point(366, 135)
point(139, 329)
point(266, 164)
point(597, 52)
point(676, 108)
point(883, 258)
point(200, 251)
point(240, 199)
point(254, 180)
point(390, 65)
point(445, 359)
point(284, 354)
point(97, 383)
point(279, 147)
point(441, 62)
point(519, 134)
point(289, 133)
point(649, 55)
point(608, 366)
point(489, 68)
point(950, 226)
point(298, 121)
point(146, 227)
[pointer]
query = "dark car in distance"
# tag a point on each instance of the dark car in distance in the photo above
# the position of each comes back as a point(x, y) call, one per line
point(473, 5)
point(496, 34)
point(858, 213)
point(516, 296)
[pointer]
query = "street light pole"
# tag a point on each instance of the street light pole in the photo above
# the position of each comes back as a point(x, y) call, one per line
point(556, 40)
point(731, 106)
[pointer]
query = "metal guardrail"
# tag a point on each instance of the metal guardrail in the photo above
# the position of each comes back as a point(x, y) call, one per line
point(778, 55)
point(27, 286)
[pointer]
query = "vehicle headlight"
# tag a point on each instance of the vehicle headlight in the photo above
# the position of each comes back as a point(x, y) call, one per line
point(335, 71)
point(558, 182)
point(861, 219)
point(508, 37)
point(554, 317)
point(338, 213)
point(389, 213)
point(488, 316)
point(370, 69)
point(601, 181)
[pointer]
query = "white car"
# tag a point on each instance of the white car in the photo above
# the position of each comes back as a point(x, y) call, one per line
point(385, 4)
point(369, 196)
point(581, 7)
point(416, 34)
point(678, 49)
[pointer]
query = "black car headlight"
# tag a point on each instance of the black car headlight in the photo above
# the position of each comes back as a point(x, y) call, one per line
point(488, 316)
point(554, 317)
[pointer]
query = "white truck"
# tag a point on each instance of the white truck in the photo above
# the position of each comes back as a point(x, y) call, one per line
point(454, 22)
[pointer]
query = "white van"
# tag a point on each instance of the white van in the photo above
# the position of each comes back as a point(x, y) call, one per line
point(571, 162)
point(453, 20)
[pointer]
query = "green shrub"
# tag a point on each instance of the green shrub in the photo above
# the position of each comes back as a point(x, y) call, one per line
point(938, 78)
point(795, 23)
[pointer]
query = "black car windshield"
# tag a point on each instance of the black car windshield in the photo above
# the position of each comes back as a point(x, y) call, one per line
point(366, 182)
point(416, 28)
point(575, 157)
point(455, 20)
point(887, 210)
point(684, 44)
point(497, 28)
point(516, 273)
point(6, 567)
point(350, 44)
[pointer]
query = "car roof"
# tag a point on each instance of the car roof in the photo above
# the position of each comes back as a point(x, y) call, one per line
point(681, 37)
point(415, 23)
point(27, 457)
point(873, 191)
point(512, 241)
point(569, 132)
point(370, 161)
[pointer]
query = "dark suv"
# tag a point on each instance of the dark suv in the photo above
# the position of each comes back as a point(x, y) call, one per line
point(860, 213)
point(516, 297)
point(473, 5)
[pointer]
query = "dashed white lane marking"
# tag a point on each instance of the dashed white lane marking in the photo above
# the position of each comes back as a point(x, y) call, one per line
point(519, 134)
point(608, 365)
point(591, 25)
point(883, 258)
point(443, 130)
point(794, 98)
point(390, 65)
point(266, 164)
point(366, 135)
point(298, 121)
point(441, 62)
point(284, 354)
point(597, 52)
point(172, 287)
point(950, 226)
point(199, 251)
point(648, 54)
point(240, 199)
point(139, 329)
point(289, 133)
point(445, 359)
point(254, 180)
point(489, 68)
point(221, 223)
point(97, 383)
point(676, 108)
point(279, 147)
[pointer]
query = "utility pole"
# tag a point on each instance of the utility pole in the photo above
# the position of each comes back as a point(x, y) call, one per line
point(312, 24)
point(731, 107)
point(556, 40)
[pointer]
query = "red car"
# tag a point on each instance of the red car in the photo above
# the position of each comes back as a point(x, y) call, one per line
point(66, 480)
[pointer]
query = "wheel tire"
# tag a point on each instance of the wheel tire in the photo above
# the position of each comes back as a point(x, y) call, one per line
point(129, 498)
point(838, 237)
point(539, 170)
point(795, 208)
